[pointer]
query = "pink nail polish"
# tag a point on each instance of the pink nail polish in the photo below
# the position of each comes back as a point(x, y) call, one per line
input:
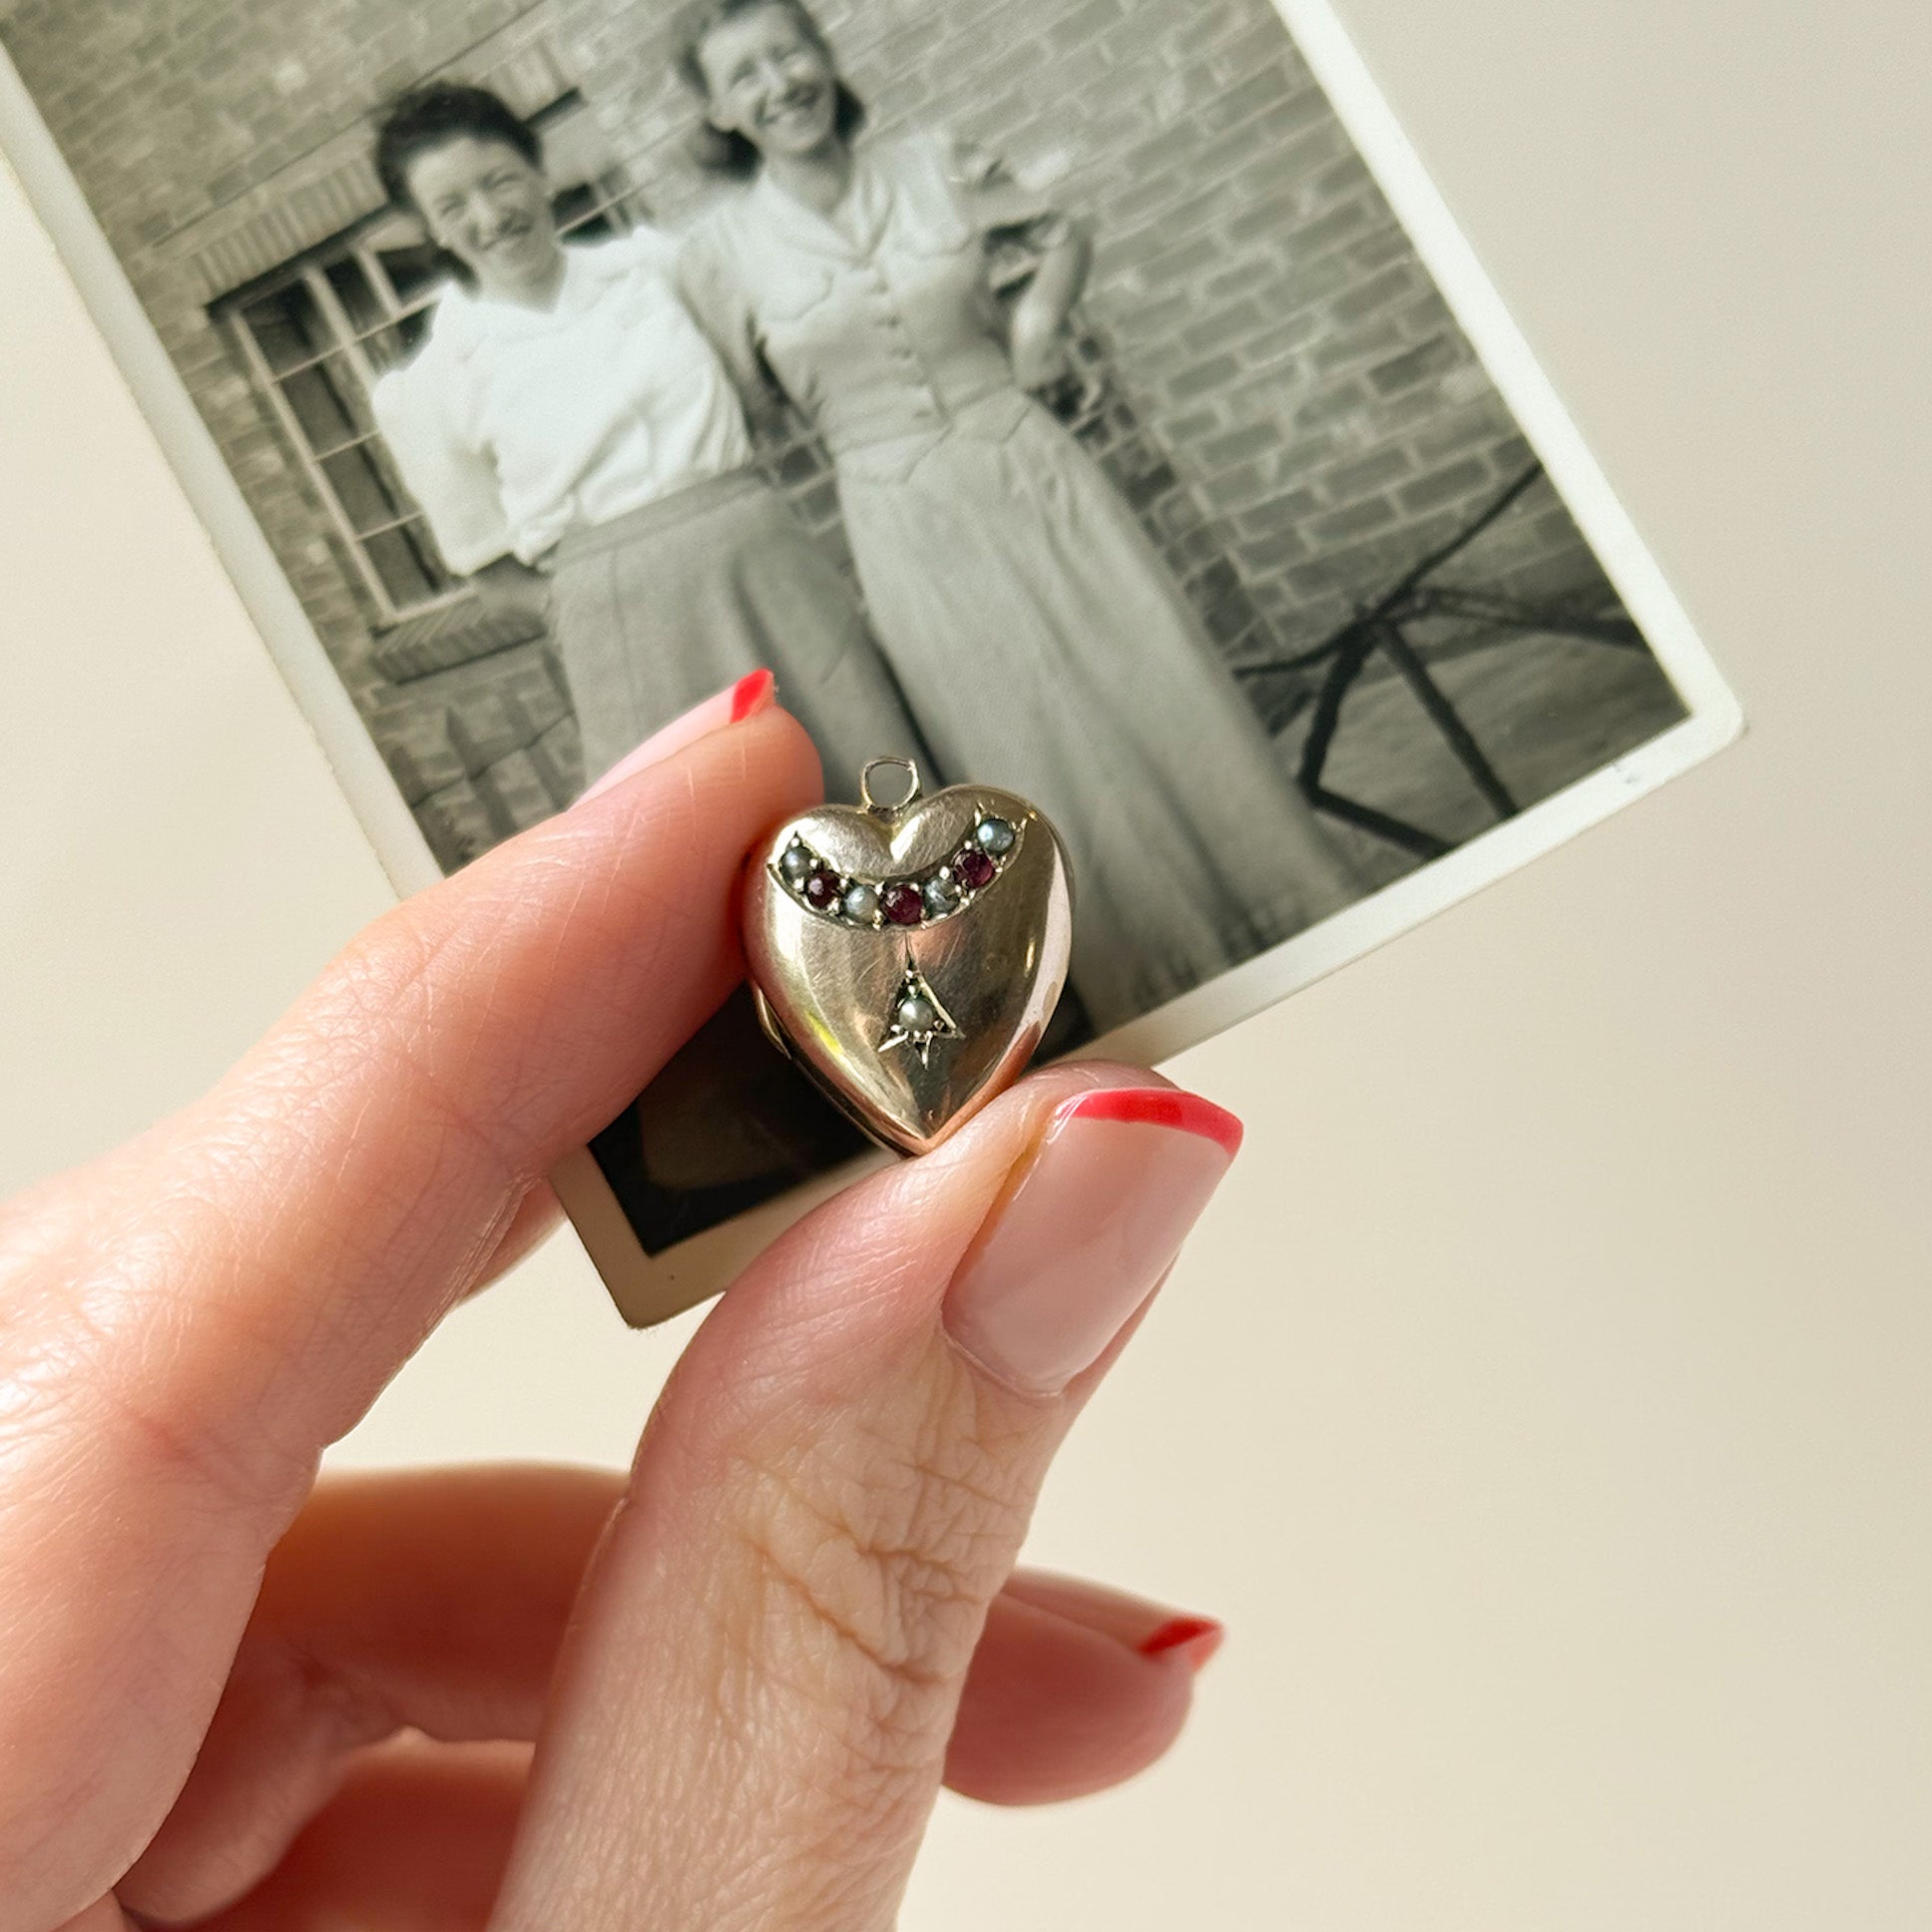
point(1196, 1638)
point(751, 694)
point(1098, 1215)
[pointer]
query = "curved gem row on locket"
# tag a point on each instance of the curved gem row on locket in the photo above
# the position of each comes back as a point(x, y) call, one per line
point(919, 899)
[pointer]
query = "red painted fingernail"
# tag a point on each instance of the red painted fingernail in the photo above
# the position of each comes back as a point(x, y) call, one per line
point(732, 706)
point(1159, 1107)
point(751, 694)
point(1086, 1233)
point(1197, 1637)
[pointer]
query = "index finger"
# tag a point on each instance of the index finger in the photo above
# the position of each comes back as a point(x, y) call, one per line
point(187, 1325)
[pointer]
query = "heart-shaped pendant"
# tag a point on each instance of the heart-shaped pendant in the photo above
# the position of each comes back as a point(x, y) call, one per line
point(909, 955)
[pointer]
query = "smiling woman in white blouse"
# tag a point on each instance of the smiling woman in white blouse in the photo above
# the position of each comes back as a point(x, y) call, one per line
point(566, 419)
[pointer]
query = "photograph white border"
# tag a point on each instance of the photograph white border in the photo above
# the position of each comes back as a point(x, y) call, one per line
point(649, 1290)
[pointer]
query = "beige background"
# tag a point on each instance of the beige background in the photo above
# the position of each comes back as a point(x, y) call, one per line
point(1544, 1404)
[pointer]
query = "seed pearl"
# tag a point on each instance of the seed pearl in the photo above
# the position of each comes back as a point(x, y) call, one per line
point(916, 1014)
point(995, 835)
point(862, 906)
point(795, 864)
point(943, 895)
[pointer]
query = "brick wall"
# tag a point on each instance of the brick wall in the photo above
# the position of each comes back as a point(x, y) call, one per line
point(171, 110)
point(1266, 316)
point(1301, 411)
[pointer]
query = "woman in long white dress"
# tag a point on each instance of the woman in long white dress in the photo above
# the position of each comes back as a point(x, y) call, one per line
point(567, 420)
point(1039, 637)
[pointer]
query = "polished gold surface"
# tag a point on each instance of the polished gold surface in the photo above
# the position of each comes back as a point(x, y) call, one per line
point(831, 990)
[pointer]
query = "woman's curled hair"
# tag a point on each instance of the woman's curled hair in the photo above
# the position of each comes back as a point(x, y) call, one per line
point(443, 111)
point(731, 154)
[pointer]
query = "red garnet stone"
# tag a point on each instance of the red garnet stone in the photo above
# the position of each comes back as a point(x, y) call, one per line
point(821, 890)
point(973, 869)
point(904, 904)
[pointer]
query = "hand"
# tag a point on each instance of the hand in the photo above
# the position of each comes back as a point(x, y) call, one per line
point(1038, 355)
point(232, 1699)
point(513, 588)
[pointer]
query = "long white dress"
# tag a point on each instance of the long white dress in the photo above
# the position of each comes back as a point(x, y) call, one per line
point(1039, 637)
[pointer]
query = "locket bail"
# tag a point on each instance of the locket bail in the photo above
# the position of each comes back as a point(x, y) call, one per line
point(879, 805)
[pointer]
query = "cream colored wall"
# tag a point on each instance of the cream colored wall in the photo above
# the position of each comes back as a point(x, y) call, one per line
point(1545, 1405)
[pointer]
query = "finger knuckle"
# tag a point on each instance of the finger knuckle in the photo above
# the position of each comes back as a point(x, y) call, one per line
point(876, 1553)
point(96, 1372)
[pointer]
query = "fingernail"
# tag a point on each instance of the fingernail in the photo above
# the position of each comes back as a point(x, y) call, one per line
point(1197, 1638)
point(1086, 1232)
point(753, 694)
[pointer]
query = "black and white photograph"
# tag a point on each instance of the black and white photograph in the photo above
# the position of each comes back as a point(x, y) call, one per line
point(1049, 392)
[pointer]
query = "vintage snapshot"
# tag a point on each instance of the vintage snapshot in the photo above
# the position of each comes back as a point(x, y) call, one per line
point(1086, 398)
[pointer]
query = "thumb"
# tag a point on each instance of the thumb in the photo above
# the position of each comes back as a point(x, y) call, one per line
point(750, 1719)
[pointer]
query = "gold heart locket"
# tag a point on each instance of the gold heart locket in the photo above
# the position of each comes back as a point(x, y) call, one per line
point(909, 955)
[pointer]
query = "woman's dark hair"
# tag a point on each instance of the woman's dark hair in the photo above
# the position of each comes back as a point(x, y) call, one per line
point(427, 117)
point(717, 151)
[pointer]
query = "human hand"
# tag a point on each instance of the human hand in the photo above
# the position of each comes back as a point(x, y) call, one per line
point(1039, 353)
point(233, 1700)
point(512, 589)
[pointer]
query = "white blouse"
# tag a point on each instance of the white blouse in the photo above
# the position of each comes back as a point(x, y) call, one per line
point(513, 425)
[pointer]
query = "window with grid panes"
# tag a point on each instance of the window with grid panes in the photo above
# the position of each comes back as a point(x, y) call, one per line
point(317, 333)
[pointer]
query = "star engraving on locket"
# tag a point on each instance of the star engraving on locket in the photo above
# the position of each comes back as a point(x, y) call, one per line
point(919, 1018)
